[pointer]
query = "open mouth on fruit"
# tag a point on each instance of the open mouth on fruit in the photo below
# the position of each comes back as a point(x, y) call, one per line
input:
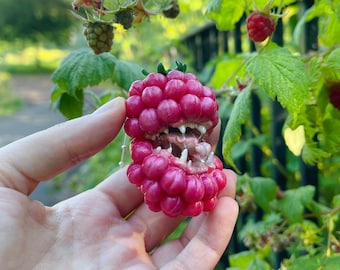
point(169, 118)
point(187, 144)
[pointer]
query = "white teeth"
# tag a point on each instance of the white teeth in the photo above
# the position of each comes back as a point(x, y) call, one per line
point(166, 131)
point(182, 129)
point(170, 149)
point(202, 129)
point(184, 155)
point(189, 163)
point(158, 149)
point(210, 158)
point(191, 125)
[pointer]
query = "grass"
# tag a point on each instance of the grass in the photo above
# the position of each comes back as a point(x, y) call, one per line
point(31, 60)
point(9, 103)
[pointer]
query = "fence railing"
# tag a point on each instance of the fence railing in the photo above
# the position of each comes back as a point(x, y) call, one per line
point(208, 43)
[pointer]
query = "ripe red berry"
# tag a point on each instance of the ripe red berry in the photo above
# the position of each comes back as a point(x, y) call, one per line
point(260, 26)
point(334, 94)
point(169, 117)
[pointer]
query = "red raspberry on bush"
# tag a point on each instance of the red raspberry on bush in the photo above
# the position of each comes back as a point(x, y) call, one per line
point(169, 117)
point(334, 94)
point(260, 26)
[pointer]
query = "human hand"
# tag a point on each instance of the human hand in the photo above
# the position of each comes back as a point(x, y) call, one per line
point(91, 230)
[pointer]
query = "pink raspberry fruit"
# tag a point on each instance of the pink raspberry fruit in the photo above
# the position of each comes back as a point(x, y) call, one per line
point(169, 117)
point(260, 26)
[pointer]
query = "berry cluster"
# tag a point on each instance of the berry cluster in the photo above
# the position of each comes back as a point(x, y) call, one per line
point(125, 17)
point(99, 36)
point(170, 117)
point(260, 26)
point(97, 13)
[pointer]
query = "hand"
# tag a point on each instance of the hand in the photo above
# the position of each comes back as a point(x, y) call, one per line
point(90, 230)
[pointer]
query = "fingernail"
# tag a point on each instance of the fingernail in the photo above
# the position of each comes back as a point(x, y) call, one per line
point(109, 105)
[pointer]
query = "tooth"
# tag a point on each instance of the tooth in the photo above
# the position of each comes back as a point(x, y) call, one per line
point(189, 163)
point(170, 149)
point(166, 131)
point(158, 149)
point(210, 158)
point(182, 129)
point(202, 129)
point(184, 155)
point(191, 125)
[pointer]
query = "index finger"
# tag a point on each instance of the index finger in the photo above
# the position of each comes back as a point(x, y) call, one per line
point(45, 154)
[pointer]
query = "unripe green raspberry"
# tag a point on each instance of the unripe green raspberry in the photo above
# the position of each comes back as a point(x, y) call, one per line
point(99, 36)
point(172, 11)
point(125, 17)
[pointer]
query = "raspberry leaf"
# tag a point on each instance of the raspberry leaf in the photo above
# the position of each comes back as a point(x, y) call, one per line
point(226, 69)
point(82, 68)
point(225, 13)
point(331, 66)
point(264, 190)
point(282, 75)
point(125, 73)
point(115, 6)
point(330, 27)
point(294, 202)
point(71, 106)
point(239, 115)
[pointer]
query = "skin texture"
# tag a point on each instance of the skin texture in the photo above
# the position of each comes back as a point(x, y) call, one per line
point(90, 230)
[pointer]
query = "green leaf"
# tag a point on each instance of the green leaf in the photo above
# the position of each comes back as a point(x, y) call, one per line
point(328, 16)
point(282, 75)
point(248, 260)
point(294, 201)
point(82, 68)
point(56, 93)
point(125, 73)
point(115, 6)
point(239, 115)
point(225, 69)
point(258, 263)
point(311, 153)
point(331, 66)
point(225, 13)
point(264, 190)
point(240, 148)
point(316, 262)
point(242, 259)
point(71, 106)
point(336, 201)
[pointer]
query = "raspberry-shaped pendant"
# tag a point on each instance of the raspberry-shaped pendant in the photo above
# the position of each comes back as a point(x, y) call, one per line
point(169, 117)
point(260, 26)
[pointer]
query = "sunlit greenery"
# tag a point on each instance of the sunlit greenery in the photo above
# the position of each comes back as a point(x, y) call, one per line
point(9, 103)
point(31, 59)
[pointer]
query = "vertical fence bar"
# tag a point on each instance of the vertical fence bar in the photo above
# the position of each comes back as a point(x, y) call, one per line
point(309, 174)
